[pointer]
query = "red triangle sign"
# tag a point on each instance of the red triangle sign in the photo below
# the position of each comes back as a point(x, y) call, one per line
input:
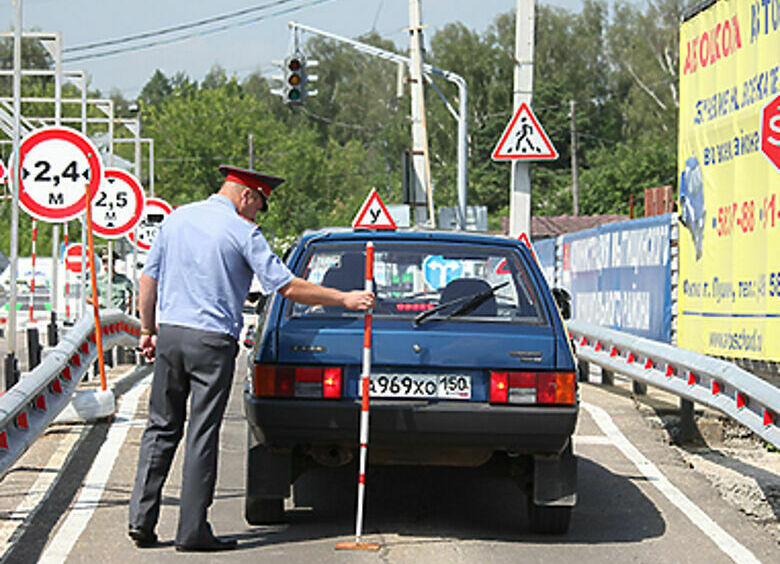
point(524, 139)
point(373, 214)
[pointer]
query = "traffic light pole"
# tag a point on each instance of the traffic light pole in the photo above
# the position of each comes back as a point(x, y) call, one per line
point(431, 70)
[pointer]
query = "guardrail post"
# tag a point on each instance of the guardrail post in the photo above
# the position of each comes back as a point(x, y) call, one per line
point(10, 371)
point(687, 422)
point(640, 389)
point(33, 348)
point(53, 337)
point(583, 370)
point(607, 377)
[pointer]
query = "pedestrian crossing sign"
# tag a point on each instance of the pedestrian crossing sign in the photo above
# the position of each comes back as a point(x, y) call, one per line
point(373, 214)
point(524, 139)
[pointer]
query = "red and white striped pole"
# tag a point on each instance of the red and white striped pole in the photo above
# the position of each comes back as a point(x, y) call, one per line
point(67, 278)
point(32, 281)
point(365, 384)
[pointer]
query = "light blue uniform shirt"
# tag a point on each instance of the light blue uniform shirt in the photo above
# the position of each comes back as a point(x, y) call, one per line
point(203, 259)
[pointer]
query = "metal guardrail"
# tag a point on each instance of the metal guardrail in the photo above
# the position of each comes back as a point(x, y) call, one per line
point(693, 376)
point(29, 406)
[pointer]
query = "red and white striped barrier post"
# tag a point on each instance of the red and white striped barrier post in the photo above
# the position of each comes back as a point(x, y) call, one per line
point(67, 278)
point(32, 280)
point(365, 385)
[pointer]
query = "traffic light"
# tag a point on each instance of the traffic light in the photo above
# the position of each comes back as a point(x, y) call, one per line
point(295, 80)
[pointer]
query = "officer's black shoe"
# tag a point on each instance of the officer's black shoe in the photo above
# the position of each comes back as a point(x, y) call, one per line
point(212, 545)
point(142, 538)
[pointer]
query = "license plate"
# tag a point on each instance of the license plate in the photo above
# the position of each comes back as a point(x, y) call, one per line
point(441, 386)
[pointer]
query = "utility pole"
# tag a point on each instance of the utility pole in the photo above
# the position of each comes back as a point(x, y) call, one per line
point(251, 151)
point(575, 193)
point(420, 157)
point(520, 194)
point(10, 360)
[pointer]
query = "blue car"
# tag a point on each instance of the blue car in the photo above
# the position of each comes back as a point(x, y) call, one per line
point(471, 366)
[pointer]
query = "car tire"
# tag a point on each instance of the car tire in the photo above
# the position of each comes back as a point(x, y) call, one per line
point(264, 511)
point(549, 519)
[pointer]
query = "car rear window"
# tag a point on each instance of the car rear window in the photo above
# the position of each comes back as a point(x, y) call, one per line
point(410, 279)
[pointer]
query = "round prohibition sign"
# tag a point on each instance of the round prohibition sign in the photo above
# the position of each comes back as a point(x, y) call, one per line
point(117, 205)
point(154, 213)
point(55, 166)
point(73, 259)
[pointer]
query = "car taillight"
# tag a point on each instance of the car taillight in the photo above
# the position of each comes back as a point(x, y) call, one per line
point(331, 383)
point(272, 380)
point(499, 387)
point(529, 388)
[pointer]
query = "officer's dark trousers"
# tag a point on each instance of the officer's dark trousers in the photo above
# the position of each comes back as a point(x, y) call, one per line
point(199, 364)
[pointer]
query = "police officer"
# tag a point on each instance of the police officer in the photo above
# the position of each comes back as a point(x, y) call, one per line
point(197, 275)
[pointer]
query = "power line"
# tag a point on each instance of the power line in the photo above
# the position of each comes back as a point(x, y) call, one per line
point(194, 34)
point(174, 29)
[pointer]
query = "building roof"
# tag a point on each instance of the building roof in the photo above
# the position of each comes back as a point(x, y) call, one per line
point(543, 227)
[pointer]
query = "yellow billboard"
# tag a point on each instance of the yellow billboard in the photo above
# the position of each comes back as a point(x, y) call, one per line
point(729, 166)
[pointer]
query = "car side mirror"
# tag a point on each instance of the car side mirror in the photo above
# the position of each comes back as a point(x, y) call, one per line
point(563, 300)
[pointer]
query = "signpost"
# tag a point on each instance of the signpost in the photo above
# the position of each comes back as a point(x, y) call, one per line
point(55, 165)
point(154, 213)
point(118, 204)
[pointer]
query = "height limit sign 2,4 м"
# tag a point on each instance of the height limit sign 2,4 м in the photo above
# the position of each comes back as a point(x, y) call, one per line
point(56, 166)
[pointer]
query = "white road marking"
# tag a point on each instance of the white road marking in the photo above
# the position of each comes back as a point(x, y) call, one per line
point(592, 440)
point(95, 482)
point(723, 540)
point(18, 521)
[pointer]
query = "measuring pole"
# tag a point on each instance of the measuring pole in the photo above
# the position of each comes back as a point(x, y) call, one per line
point(365, 384)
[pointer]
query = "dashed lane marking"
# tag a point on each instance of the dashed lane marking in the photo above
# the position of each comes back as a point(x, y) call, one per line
point(728, 544)
point(95, 482)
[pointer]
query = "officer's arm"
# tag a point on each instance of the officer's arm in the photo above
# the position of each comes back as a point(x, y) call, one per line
point(304, 292)
point(147, 301)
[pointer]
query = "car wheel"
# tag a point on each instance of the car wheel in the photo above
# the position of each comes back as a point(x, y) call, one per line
point(264, 511)
point(549, 519)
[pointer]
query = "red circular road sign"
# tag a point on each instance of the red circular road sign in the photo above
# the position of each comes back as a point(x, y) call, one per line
point(73, 259)
point(3, 172)
point(770, 132)
point(154, 213)
point(117, 205)
point(56, 165)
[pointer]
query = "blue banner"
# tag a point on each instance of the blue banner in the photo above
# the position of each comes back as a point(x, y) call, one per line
point(545, 252)
point(619, 276)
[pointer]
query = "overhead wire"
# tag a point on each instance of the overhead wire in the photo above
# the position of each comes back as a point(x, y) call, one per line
point(202, 33)
point(175, 28)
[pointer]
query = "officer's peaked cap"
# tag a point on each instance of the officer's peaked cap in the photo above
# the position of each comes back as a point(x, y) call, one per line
point(263, 183)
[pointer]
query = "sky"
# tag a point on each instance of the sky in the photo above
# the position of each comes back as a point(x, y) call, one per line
point(241, 48)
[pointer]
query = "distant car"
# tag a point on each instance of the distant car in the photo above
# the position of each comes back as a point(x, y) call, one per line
point(471, 364)
point(249, 336)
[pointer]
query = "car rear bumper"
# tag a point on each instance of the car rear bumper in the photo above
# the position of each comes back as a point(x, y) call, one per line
point(290, 422)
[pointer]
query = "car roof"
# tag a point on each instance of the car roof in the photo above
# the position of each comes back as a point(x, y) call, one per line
point(346, 234)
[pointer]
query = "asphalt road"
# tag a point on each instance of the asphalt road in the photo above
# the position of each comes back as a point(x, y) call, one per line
point(638, 502)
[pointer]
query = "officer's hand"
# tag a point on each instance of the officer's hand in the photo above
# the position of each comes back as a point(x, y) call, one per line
point(148, 344)
point(359, 300)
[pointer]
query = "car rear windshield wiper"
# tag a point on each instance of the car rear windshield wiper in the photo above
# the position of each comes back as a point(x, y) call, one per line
point(471, 303)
